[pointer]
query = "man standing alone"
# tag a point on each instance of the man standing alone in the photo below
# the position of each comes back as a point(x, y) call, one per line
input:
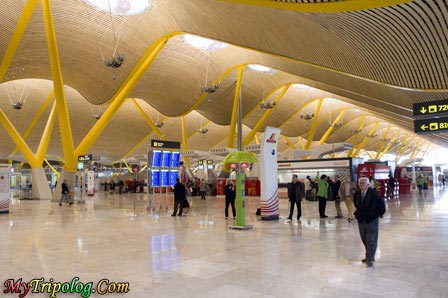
point(369, 206)
point(296, 191)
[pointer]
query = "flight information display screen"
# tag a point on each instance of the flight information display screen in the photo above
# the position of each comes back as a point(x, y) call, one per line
point(166, 158)
point(155, 178)
point(175, 155)
point(165, 178)
point(156, 159)
point(173, 176)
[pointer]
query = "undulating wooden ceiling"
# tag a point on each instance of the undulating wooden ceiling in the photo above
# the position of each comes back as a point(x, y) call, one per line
point(372, 61)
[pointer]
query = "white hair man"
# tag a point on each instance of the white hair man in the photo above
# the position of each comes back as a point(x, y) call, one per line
point(369, 207)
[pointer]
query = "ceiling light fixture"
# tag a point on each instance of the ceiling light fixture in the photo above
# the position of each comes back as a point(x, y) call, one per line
point(268, 104)
point(307, 116)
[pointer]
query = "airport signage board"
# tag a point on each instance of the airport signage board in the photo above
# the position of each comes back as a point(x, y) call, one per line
point(165, 144)
point(84, 158)
point(431, 108)
point(431, 125)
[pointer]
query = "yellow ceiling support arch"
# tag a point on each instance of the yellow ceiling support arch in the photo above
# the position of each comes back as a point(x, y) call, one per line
point(383, 141)
point(148, 120)
point(22, 23)
point(355, 136)
point(61, 106)
point(322, 7)
point(313, 125)
point(263, 118)
point(231, 141)
point(361, 145)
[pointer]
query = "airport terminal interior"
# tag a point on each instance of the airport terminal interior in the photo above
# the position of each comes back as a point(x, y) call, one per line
point(116, 99)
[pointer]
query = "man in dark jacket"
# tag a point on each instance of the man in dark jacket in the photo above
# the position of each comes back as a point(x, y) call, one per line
point(229, 192)
point(369, 207)
point(179, 196)
point(296, 191)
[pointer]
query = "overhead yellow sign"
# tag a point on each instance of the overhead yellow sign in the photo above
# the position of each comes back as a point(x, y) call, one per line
point(431, 125)
point(431, 108)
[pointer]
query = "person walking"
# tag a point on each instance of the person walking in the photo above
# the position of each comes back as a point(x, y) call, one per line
point(391, 188)
point(308, 188)
point(203, 189)
point(345, 193)
point(179, 196)
point(322, 194)
point(369, 207)
point(335, 186)
point(230, 193)
point(296, 191)
point(65, 193)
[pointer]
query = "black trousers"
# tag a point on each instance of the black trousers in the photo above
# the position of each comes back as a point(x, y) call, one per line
point(322, 205)
point(369, 237)
point(299, 209)
point(178, 205)
point(230, 202)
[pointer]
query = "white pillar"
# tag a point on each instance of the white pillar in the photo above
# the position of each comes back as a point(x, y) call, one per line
point(40, 187)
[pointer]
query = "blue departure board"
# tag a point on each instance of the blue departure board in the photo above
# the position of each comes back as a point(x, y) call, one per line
point(175, 155)
point(173, 176)
point(166, 158)
point(156, 158)
point(165, 178)
point(155, 178)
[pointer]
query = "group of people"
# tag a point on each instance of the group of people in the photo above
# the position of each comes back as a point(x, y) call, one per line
point(341, 191)
point(368, 204)
point(199, 187)
point(180, 197)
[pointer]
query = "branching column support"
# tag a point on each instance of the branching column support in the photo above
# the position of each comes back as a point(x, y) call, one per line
point(63, 117)
point(331, 128)
point(383, 141)
point(184, 145)
point(263, 118)
point(231, 139)
point(148, 120)
point(355, 137)
point(313, 125)
point(390, 144)
point(120, 97)
point(18, 140)
point(35, 119)
point(22, 23)
point(45, 140)
point(404, 143)
point(364, 141)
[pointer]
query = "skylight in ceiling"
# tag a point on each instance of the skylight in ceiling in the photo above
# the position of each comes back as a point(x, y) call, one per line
point(121, 7)
point(203, 43)
point(301, 86)
point(261, 68)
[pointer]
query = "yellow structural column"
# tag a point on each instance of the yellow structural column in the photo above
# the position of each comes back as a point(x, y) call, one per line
point(290, 143)
point(383, 141)
point(231, 137)
point(22, 23)
point(403, 142)
point(355, 137)
point(148, 120)
point(364, 141)
point(263, 118)
point(331, 128)
point(18, 140)
point(35, 119)
point(394, 137)
point(45, 140)
point(313, 125)
point(300, 140)
point(119, 98)
point(52, 168)
point(257, 106)
point(184, 145)
point(63, 117)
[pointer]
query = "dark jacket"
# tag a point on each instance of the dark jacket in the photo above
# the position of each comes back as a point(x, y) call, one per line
point(372, 207)
point(64, 188)
point(229, 192)
point(299, 191)
point(179, 192)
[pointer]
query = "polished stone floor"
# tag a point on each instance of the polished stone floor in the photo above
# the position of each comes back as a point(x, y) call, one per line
point(114, 237)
